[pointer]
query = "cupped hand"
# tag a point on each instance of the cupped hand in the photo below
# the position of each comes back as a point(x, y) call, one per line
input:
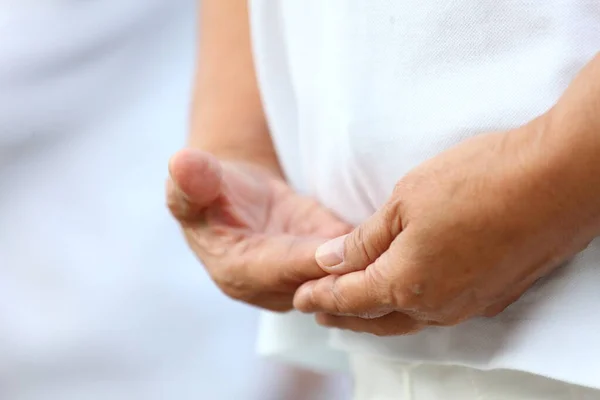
point(255, 236)
point(464, 234)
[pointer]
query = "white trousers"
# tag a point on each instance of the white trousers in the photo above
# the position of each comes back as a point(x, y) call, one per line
point(382, 379)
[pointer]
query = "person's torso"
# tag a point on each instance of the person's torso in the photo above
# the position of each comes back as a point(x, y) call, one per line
point(359, 92)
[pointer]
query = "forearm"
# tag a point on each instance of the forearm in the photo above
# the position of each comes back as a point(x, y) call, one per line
point(227, 115)
point(569, 147)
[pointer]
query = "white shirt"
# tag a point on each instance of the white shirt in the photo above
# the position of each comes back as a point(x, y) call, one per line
point(359, 92)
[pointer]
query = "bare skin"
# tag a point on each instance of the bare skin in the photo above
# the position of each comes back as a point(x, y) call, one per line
point(255, 236)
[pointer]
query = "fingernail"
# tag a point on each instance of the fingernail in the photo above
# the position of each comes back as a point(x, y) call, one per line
point(302, 298)
point(331, 253)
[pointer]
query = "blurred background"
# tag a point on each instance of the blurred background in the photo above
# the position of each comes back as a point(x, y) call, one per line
point(99, 296)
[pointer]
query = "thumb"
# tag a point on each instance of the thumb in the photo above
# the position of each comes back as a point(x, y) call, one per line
point(194, 183)
point(361, 247)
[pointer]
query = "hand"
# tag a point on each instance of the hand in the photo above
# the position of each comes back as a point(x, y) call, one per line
point(463, 235)
point(254, 235)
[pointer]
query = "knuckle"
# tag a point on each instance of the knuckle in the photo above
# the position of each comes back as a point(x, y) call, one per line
point(340, 303)
point(370, 245)
point(394, 212)
point(327, 297)
point(362, 247)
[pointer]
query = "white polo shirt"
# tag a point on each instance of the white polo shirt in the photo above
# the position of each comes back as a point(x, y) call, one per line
point(359, 92)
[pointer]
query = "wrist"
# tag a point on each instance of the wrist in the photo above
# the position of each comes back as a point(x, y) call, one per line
point(573, 132)
point(566, 164)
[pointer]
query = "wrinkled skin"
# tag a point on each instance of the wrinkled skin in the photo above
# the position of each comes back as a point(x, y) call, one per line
point(255, 236)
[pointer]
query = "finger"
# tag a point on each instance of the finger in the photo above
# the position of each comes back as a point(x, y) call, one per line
point(362, 246)
point(355, 294)
point(194, 184)
point(266, 262)
point(391, 324)
point(289, 260)
point(258, 268)
point(273, 302)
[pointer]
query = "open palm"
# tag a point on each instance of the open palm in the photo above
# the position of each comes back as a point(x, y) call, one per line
point(256, 237)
